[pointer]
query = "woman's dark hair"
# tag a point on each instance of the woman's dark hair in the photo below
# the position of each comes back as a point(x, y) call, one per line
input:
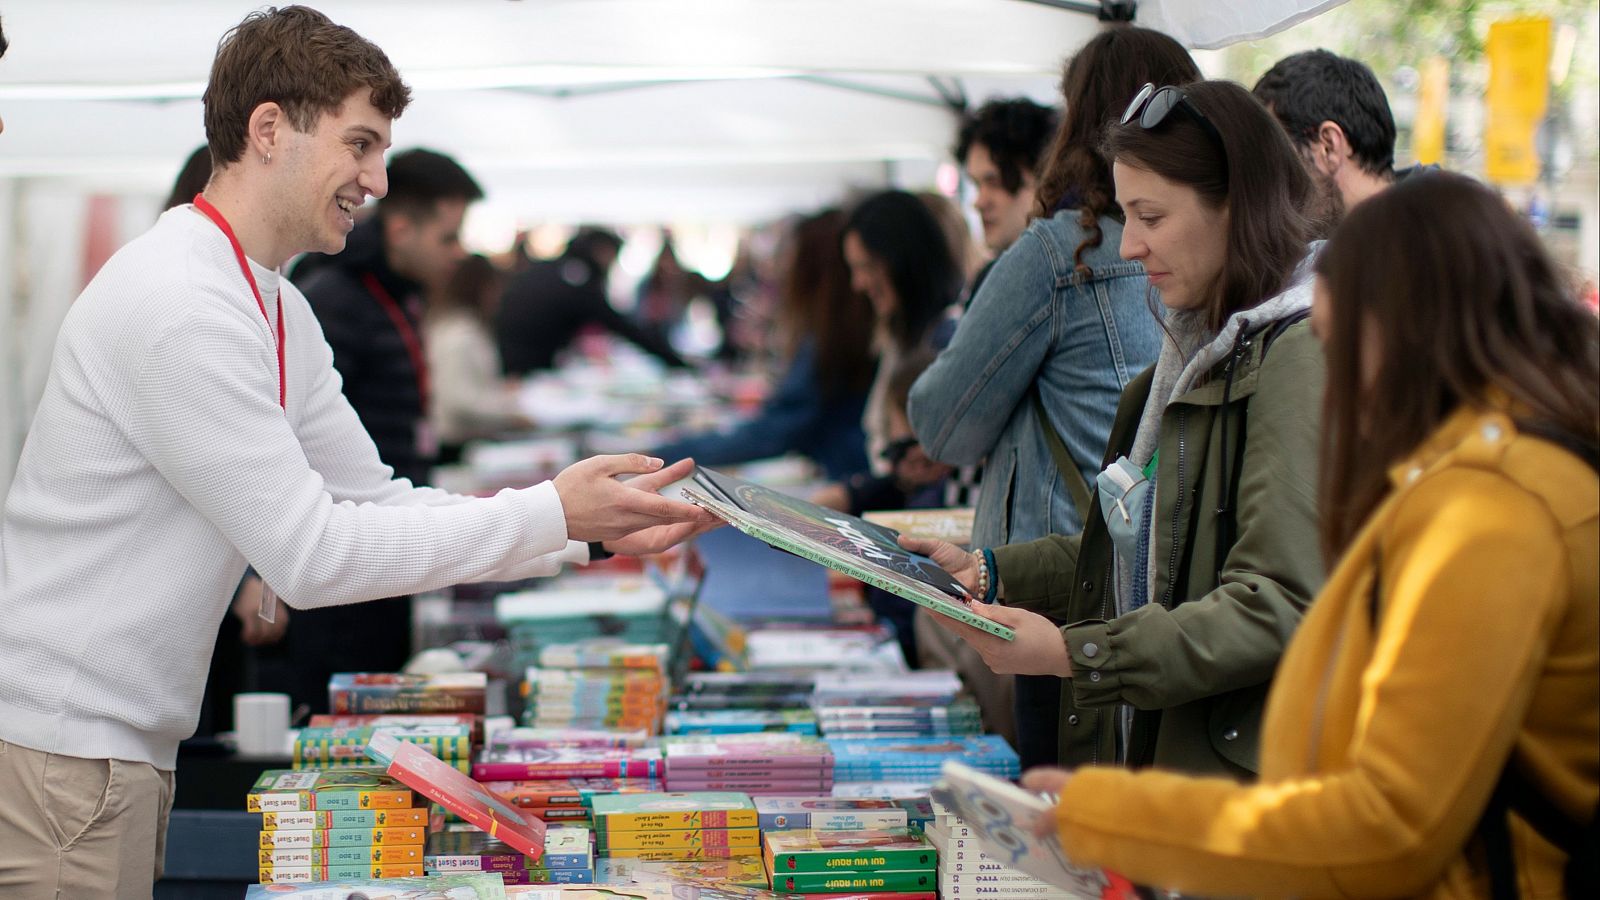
point(1255, 174)
point(816, 304)
point(898, 229)
point(473, 287)
point(192, 178)
point(1442, 293)
point(1096, 85)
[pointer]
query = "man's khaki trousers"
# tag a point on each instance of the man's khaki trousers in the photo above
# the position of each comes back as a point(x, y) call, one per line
point(80, 829)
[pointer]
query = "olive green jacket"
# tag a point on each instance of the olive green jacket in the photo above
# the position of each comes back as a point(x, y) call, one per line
point(1195, 665)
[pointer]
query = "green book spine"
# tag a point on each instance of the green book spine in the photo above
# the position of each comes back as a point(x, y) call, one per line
point(839, 882)
point(861, 859)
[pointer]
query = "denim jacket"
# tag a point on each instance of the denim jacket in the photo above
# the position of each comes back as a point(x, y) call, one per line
point(1033, 320)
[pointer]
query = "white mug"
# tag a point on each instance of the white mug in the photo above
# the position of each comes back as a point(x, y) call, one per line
point(261, 723)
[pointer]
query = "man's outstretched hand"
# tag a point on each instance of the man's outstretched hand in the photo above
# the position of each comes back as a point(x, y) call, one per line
point(629, 516)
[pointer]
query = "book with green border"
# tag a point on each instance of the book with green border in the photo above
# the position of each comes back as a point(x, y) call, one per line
point(841, 881)
point(854, 851)
point(844, 543)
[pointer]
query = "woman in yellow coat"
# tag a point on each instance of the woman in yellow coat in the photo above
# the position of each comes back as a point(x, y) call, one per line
point(1458, 633)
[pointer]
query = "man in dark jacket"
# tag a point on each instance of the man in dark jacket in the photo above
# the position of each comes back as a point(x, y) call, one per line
point(369, 301)
point(547, 304)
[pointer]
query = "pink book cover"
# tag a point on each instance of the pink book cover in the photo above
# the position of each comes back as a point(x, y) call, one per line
point(534, 763)
point(433, 778)
point(732, 753)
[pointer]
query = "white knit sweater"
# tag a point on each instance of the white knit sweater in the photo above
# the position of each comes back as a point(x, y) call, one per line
point(159, 462)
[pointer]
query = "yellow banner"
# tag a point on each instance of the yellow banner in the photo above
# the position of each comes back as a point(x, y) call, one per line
point(1433, 102)
point(1519, 85)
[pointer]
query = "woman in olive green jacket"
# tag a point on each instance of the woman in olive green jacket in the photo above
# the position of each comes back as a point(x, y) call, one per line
point(1170, 611)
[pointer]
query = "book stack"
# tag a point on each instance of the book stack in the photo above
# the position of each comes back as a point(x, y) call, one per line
point(332, 746)
point(676, 826)
point(568, 856)
point(544, 764)
point(479, 886)
point(764, 764)
point(402, 720)
point(836, 862)
point(594, 685)
point(910, 766)
point(828, 814)
point(741, 721)
point(339, 823)
point(704, 691)
point(967, 871)
point(926, 703)
point(984, 826)
point(565, 801)
point(391, 692)
point(577, 608)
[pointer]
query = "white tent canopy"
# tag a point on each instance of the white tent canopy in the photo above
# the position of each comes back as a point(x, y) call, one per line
point(715, 111)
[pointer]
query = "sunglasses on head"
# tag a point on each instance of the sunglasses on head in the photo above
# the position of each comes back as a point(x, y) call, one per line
point(1152, 105)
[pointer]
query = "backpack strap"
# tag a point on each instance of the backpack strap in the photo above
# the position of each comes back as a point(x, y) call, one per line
point(1077, 487)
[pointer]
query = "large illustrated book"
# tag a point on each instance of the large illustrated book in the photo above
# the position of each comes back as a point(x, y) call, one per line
point(844, 543)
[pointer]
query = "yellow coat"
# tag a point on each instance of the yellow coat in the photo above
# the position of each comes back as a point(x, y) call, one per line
point(1379, 751)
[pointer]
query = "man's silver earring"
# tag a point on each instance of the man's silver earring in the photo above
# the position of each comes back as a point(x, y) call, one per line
point(266, 159)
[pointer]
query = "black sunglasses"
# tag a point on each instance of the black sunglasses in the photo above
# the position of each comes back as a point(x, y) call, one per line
point(1152, 105)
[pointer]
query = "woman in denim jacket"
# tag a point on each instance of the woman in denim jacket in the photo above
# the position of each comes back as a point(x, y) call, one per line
point(1060, 311)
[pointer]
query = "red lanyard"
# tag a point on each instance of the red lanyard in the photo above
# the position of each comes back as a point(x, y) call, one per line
point(211, 213)
point(408, 335)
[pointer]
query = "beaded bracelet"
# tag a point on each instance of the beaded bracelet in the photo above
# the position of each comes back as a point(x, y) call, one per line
point(991, 580)
point(983, 575)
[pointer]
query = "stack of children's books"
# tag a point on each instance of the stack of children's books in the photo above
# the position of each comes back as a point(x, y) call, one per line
point(511, 763)
point(756, 691)
point(765, 763)
point(574, 608)
point(568, 856)
point(911, 765)
point(391, 692)
point(896, 860)
point(926, 703)
point(984, 827)
point(339, 823)
point(676, 826)
point(478, 886)
point(565, 801)
point(597, 684)
point(330, 746)
point(828, 814)
point(740, 721)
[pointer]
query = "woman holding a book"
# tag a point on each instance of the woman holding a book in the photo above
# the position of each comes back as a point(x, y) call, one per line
point(1168, 614)
point(1434, 728)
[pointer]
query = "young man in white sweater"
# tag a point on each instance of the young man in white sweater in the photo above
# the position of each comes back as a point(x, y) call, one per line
point(192, 423)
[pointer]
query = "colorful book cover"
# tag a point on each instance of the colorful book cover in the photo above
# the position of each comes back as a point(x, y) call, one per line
point(392, 692)
point(510, 764)
point(744, 871)
point(438, 887)
point(345, 837)
point(877, 758)
point(312, 820)
point(1003, 815)
point(565, 848)
point(459, 794)
point(293, 874)
point(604, 653)
point(551, 738)
point(841, 542)
point(673, 811)
point(827, 814)
point(339, 742)
point(754, 781)
point(284, 790)
point(280, 857)
point(836, 881)
point(533, 794)
point(547, 876)
point(747, 838)
point(739, 752)
point(860, 851)
point(680, 853)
